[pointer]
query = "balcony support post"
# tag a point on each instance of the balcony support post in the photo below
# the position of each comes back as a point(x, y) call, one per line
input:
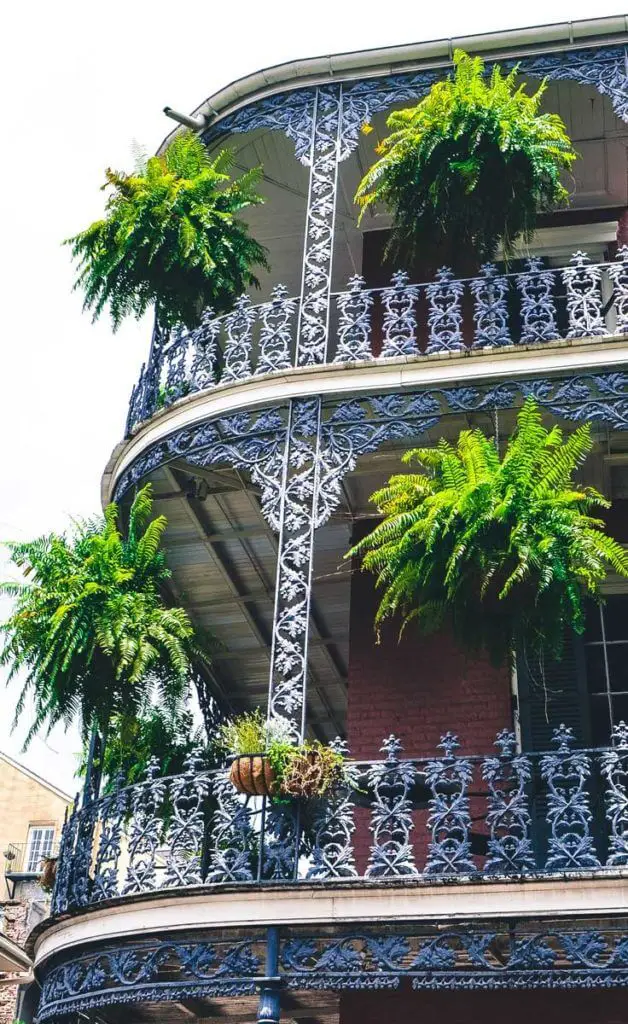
point(269, 1006)
point(300, 473)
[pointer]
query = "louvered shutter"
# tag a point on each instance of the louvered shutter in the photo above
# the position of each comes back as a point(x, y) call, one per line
point(542, 707)
point(561, 698)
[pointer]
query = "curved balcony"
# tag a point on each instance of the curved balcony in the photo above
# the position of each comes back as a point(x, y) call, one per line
point(263, 432)
point(480, 840)
point(492, 311)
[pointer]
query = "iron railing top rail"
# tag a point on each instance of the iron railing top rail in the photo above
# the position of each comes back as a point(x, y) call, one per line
point(17, 861)
point(508, 814)
point(533, 305)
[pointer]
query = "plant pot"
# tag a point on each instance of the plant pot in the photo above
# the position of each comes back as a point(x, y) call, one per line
point(252, 774)
point(49, 873)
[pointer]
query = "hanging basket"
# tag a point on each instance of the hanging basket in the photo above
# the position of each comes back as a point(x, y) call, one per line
point(252, 774)
point(306, 776)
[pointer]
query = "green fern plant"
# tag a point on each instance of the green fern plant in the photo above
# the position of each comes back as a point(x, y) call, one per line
point(469, 167)
point(171, 237)
point(505, 549)
point(89, 630)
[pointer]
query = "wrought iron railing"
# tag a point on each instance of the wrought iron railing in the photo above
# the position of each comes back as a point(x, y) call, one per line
point(452, 817)
point(23, 858)
point(530, 307)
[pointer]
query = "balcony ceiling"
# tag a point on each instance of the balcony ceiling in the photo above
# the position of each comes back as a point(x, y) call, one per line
point(599, 182)
point(305, 1007)
point(223, 558)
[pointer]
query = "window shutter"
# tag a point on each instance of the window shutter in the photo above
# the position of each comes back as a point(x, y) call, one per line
point(542, 708)
point(560, 698)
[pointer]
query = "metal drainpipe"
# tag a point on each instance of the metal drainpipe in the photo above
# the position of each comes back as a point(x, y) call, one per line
point(269, 1006)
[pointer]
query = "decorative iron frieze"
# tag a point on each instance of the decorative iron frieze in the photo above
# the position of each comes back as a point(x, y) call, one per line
point(462, 957)
point(495, 955)
point(150, 971)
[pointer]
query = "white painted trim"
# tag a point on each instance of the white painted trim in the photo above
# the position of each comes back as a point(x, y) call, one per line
point(312, 905)
point(386, 60)
point(37, 778)
point(372, 376)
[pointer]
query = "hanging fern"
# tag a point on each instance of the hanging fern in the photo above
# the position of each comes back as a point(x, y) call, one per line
point(89, 633)
point(505, 549)
point(470, 166)
point(171, 237)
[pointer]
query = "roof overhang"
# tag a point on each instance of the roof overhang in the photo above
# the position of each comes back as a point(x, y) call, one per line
point(13, 959)
point(299, 74)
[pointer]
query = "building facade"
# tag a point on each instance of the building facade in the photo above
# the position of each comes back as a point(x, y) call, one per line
point(485, 849)
point(32, 812)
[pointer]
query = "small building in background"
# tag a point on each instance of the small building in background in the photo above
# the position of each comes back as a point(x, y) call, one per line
point(31, 818)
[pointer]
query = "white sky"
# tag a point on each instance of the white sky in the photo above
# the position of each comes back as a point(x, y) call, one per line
point(80, 81)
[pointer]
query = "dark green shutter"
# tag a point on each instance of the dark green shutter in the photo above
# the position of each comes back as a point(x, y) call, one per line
point(563, 699)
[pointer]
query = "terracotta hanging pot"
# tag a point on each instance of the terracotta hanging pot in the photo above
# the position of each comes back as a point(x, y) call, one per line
point(252, 774)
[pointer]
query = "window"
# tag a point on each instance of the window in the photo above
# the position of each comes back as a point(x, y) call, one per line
point(606, 654)
point(40, 842)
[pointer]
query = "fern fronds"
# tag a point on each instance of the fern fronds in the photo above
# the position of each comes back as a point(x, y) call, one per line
point(504, 549)
point(470, 166)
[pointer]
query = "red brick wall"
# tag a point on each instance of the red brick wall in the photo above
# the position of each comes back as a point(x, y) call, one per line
point(417, 688)
point(521, 1007)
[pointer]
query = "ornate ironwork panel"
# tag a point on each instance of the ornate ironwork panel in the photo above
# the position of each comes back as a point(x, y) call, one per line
point(205, 352)
point(569, 816)
point(333, 827)
point(145, 833)
point(444, 320)
point(491, 310)
point(538, 305)
point(232, 841)
point(186, 823)
point(112, 813)
point(584, 298)
point(614, 768)
point(281, 841)
point(239, 327)
point(275, 341)
point(354, 324)
point(399, 320)
point(508, 815)
point(391, 818)
point(313, 323)
point(618, 273)
point(449, 777)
